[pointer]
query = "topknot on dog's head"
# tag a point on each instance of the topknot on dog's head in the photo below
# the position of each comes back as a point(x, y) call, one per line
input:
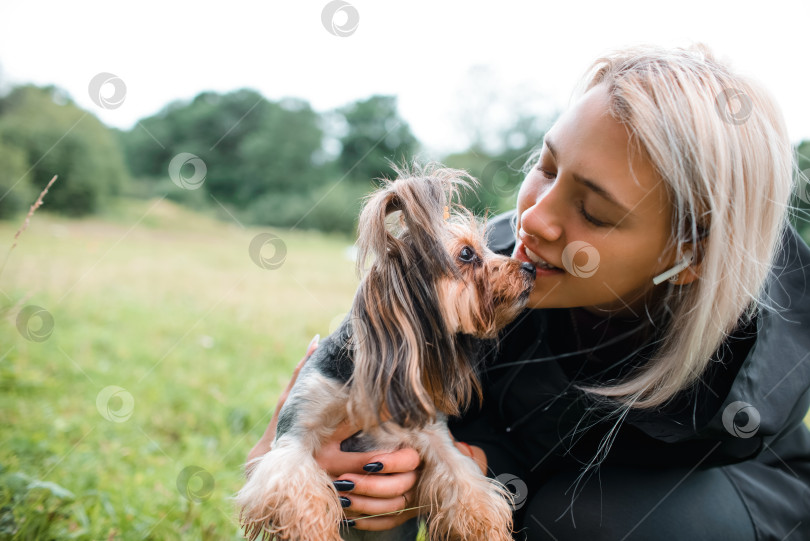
point(406, 218)
point(408, 363)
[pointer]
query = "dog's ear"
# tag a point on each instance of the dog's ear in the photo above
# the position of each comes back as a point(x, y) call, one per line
point(404, 356)
point(418, 201)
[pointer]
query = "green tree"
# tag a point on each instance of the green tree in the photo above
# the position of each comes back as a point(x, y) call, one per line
point(500, 172)
point(15, 184)
point(280, 156)
point(251, 146)
point(373, 134)
point(55, 137)
point(801, 195)
point(267, 161)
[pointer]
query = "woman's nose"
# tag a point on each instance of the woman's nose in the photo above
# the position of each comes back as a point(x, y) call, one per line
point(542, 218)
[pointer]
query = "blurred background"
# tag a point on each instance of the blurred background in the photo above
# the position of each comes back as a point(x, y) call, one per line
point(211, 162)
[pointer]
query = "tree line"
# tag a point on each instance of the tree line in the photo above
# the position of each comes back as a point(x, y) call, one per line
point(275, 163)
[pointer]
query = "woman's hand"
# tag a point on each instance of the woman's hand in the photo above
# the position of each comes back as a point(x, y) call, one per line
point(474, 452)
point(376, 483)
point(372, 483)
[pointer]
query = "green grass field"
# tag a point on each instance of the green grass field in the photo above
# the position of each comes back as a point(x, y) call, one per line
point(169, 346)
point(199, 339)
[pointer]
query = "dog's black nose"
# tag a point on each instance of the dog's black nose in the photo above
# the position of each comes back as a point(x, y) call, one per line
point(528, 267)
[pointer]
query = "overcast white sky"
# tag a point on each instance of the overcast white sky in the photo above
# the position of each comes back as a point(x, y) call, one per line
point(419, 50)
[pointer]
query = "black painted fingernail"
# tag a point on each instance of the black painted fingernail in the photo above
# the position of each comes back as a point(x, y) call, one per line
point(348, 522)
point(345, 502)
point(343, 485)
point(374, 467)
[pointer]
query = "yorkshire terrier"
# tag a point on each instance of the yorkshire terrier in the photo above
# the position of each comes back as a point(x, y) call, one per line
point(432, 299)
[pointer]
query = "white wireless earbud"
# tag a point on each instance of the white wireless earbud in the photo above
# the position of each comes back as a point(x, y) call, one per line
point(674, 271)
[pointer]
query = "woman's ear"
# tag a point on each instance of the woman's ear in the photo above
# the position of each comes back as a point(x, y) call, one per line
point(685, 269)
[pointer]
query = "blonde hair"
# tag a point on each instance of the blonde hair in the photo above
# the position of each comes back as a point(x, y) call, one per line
point(719, 142)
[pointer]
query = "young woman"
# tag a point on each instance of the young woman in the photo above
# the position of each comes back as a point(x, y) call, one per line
point(657, 387)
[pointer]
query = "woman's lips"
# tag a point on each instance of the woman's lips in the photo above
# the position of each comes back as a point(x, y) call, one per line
point(521, 255)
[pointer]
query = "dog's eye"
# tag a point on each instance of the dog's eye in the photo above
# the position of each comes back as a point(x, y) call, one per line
point(467, 254)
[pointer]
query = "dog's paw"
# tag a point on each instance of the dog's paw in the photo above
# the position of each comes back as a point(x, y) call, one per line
point(480, 509)
point(294, 515)
point(288, 497)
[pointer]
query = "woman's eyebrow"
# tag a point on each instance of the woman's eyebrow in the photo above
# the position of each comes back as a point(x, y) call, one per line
point(592, 185)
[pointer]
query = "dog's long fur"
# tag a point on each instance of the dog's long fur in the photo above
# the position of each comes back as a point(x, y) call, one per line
point(402, 361)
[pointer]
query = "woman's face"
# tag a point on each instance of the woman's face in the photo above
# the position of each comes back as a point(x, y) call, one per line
point(595, 210)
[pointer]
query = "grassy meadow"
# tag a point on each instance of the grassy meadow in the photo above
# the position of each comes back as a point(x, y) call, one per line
point(130, 415)
point(168, 349)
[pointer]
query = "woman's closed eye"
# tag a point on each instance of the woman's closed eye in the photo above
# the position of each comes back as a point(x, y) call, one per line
point(546, 173)
point(595, 221)
point(549, 175)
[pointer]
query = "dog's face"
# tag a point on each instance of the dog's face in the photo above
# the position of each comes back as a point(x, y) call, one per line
point(432, 290)
point(488, 291)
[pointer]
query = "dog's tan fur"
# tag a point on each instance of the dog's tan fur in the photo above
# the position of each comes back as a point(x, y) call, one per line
point(409, 365)
point(287, 494)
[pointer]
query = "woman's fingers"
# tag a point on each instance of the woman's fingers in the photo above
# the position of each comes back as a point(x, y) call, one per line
point(393, 485)
point(377, 483)
point(385, 522)
point(403, 460)
point(375, 514)
point(364, 505)
point(389, 495)
point(337, 462)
